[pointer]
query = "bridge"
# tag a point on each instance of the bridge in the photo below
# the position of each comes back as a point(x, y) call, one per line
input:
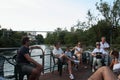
point(32, 34)
point(36, 31)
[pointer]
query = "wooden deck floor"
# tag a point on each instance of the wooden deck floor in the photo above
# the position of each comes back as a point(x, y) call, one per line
point(81, 74)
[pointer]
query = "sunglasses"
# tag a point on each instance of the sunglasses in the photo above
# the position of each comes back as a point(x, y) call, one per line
point(98, 44)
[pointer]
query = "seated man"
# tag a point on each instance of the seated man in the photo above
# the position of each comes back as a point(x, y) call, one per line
point(97, 54)
point(57, 51)
point(27, 64)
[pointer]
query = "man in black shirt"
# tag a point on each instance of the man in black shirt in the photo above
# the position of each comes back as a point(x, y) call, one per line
point(28, 65)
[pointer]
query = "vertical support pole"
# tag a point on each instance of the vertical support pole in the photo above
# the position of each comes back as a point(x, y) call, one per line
point(50, 61)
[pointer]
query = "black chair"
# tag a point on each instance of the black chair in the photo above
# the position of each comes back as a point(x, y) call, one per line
point(19, 74)
point(57, 62)
point(86, 57)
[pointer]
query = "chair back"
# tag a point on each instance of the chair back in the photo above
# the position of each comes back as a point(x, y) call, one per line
point(53, 57)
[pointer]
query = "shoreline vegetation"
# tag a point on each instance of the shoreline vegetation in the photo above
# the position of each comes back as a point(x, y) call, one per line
point(106, 24)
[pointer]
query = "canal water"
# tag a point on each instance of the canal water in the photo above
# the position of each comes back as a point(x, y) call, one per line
point(9, 69)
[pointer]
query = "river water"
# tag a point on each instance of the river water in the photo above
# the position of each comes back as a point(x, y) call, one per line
point(9, 69)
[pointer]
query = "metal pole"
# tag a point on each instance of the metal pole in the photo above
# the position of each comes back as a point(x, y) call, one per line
point(50, 61)
point(43, 62)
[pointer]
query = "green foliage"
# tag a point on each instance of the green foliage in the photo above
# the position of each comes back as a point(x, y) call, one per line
point(86, 32)
point(96, 27)
point(9, 38)
point(110, 13)
point(39, 39)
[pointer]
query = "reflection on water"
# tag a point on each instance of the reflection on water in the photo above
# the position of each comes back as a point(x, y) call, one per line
point(9, 69)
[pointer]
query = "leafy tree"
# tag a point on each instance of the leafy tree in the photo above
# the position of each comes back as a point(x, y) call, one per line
point(111, 15)
point(9, 38)
point(40, 39)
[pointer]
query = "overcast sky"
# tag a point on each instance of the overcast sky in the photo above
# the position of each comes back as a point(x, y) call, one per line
point(44, 15)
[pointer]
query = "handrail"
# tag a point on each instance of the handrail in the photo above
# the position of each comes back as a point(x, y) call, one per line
point(7, 59)
point(42, 56)
point(4, 49)
point(14, 48)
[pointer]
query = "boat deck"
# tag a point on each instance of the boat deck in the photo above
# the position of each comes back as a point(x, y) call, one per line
point(81, 74)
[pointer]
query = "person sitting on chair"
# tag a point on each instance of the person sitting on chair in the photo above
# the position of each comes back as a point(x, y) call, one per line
point(97, 54)
point(70, 55)
point(78, 50)
point(27, 64)
point(58, 52)
point(115, 65)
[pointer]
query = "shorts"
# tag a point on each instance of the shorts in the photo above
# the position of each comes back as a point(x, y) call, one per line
point(27, 68)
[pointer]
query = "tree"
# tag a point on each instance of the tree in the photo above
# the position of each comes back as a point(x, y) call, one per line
point(40, 39)
point(9, 38)
point(110, 13)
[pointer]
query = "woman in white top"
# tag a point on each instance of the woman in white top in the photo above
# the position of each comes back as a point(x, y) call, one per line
point(115, 64)
point(78, 51)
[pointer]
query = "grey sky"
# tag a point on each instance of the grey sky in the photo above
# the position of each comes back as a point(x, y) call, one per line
point(44, 15)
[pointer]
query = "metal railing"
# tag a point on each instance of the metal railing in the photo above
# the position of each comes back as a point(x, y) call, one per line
point(42, 56)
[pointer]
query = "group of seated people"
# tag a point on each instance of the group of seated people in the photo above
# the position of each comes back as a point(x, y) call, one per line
point(100, 57)
point(108, 71)
point(67, 57)
point(111, 72)
point(33, 68)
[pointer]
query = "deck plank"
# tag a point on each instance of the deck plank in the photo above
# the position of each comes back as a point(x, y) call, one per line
point(81, 74)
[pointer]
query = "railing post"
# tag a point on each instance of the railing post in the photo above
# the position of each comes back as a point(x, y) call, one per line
point(50, 61)
point(43, 60)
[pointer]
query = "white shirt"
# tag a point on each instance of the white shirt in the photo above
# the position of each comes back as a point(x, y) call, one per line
point(57, 51)
point(116, 66)
point(77, 49)
point(104, 45)
point(99, 50)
